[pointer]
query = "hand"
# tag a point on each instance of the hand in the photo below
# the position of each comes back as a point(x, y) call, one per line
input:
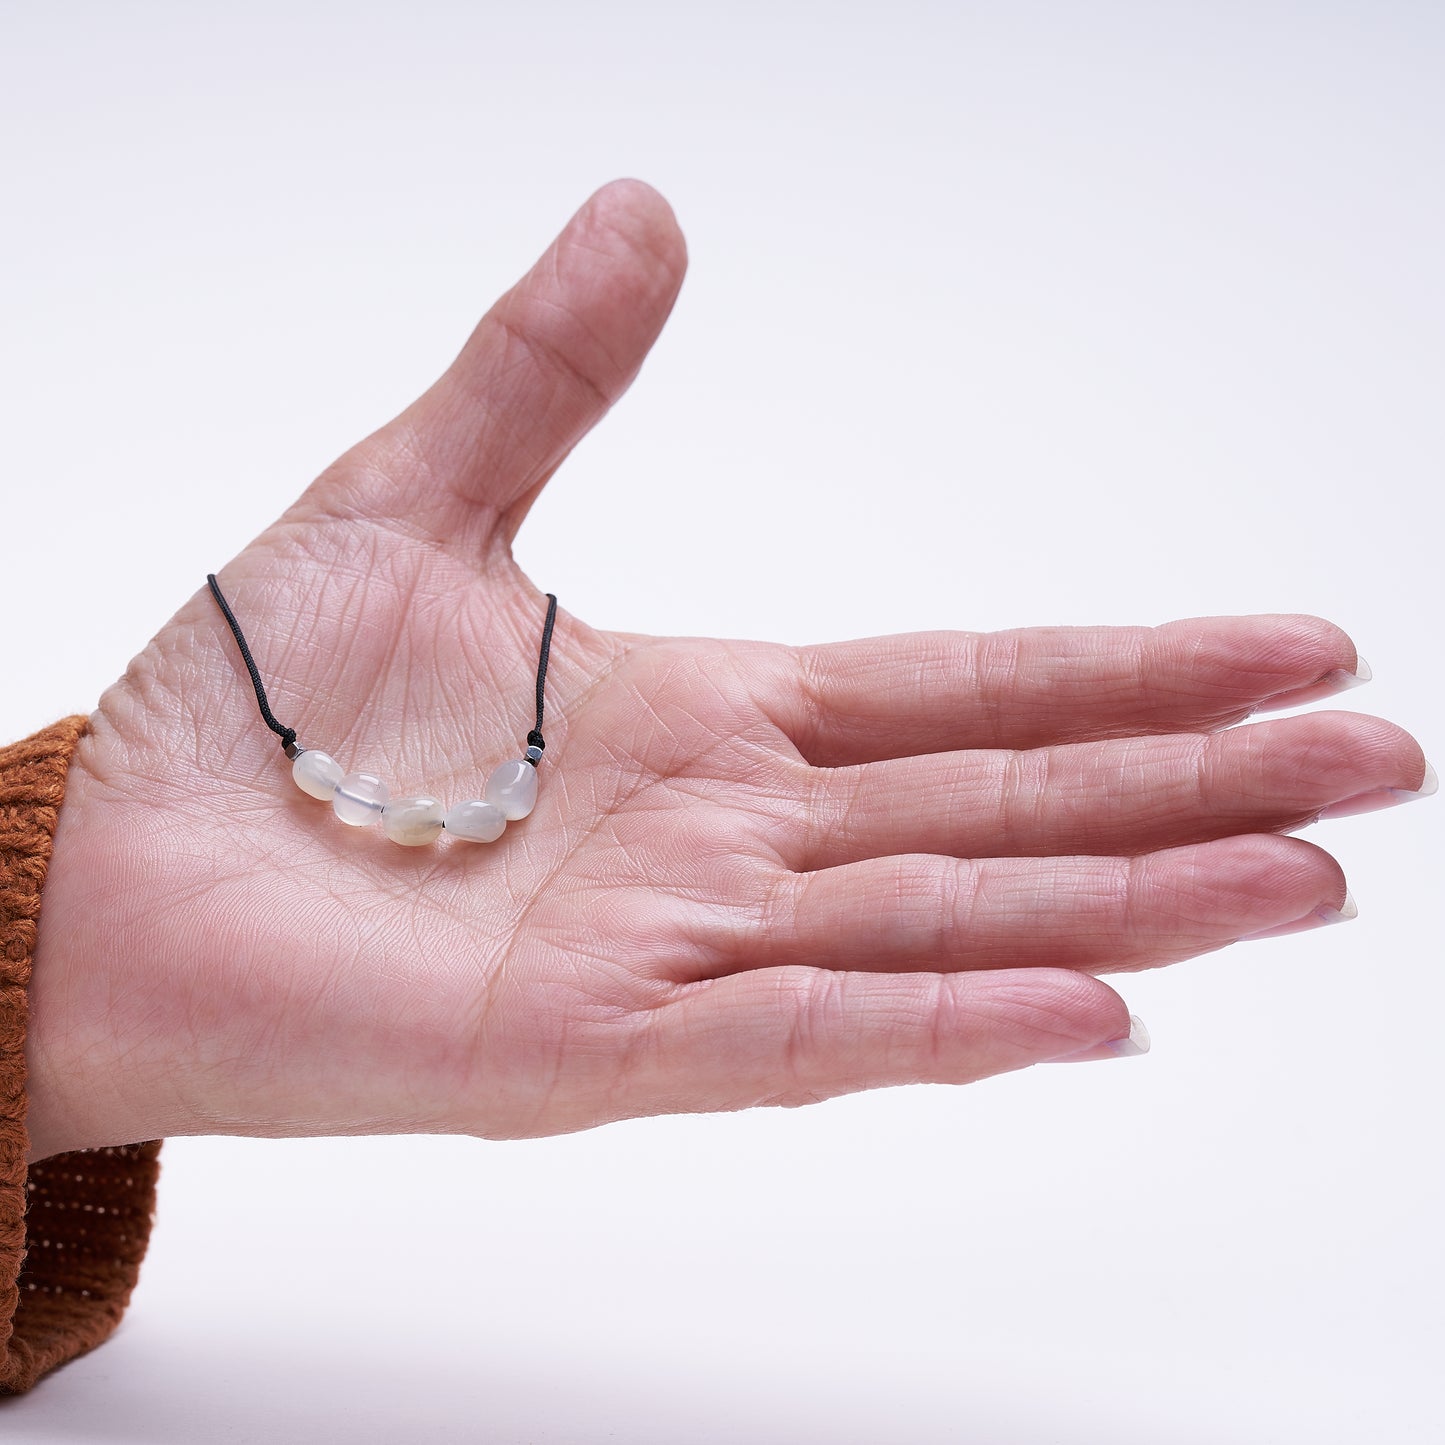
point(755, 873)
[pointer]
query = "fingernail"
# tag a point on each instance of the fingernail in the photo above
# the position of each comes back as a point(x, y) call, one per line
point(1363, 673)
point(1319, 917)
point(1378, 798)
point(1135, 1042)
point(1334, 682)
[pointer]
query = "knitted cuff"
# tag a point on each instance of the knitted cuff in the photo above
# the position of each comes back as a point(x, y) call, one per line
point(73, 1227)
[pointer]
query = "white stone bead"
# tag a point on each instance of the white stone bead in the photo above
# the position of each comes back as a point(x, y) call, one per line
point(359, 798)
point(412, 821)
point(476, 821)
point(513, 788)
point(316, 773)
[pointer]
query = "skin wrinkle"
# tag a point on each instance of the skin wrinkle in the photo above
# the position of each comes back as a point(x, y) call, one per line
point(1275, 664)
point(541, 350)
point(155, 696)
point(707, 1037)
point(941, 1023)
point(604, 395)
point(643, 1059)
point(107, 714)
point(392, 660)
point(1044, 1022)
point(814, 1000)
point(656, 282)
point(740, 801)
point(1371, 739)
point(841, 815)
point(781, 901)
point(1199, 774)
point(650, 724)
point(809, 727)
point(1140, 661)
point(463, 543)
point(466, 734)
point(556, 413)
point(480, 410)
point(542, 1089)
point(505, 956)
point(994, 656)
point(961, 887)
point(724, 938)
point(1196, 648)
point(1143, 890)
point(1133, 877)
point(377, 675)
point(658, 263)
point(342, 665)
point(1015, 786)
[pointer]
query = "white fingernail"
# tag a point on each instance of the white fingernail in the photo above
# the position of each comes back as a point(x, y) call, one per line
point(1430, 783)
point(1136, 1043)
point(1329, 684)
point(1347, 910)
point(1319, 917)
point(1342, 681)
point(1378, 798)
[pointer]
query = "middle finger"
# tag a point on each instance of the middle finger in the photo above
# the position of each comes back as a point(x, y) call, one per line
point(1122, 796)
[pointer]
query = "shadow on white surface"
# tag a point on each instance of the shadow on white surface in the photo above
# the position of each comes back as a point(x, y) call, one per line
point(149, 1388)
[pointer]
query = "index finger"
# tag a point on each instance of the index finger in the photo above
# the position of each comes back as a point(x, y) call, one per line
point(924, 692)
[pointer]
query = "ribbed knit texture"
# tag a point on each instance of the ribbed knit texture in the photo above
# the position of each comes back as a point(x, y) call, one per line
point(73, 1227)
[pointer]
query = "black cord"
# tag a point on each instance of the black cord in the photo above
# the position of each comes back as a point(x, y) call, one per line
point(288, 735)
point(534, 738)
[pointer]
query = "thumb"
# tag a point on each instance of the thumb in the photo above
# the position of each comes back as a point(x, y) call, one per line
point(537, 374)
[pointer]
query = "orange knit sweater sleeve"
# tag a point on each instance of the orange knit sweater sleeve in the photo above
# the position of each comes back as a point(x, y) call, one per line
point(73, 1227)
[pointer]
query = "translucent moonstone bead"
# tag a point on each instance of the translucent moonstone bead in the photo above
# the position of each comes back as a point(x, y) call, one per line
point(359, 798)
point(316, 773)
point(413, 821)
point(476, 821)
point(513, 788)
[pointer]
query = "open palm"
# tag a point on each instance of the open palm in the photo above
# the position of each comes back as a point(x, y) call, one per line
point(754, 873)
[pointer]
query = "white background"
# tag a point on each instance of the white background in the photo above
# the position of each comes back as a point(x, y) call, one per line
point(998, 314)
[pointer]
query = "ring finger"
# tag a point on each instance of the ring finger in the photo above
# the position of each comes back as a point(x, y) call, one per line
point(926, 912)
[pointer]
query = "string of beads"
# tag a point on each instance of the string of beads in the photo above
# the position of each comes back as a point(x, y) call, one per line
point(363, 798)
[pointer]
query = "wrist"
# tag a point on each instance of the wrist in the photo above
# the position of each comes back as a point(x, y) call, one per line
point(34, 778)
point(80, 1078)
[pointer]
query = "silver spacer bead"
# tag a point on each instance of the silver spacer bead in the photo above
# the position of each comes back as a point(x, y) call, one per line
point(533, 755)
point(293, 750)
